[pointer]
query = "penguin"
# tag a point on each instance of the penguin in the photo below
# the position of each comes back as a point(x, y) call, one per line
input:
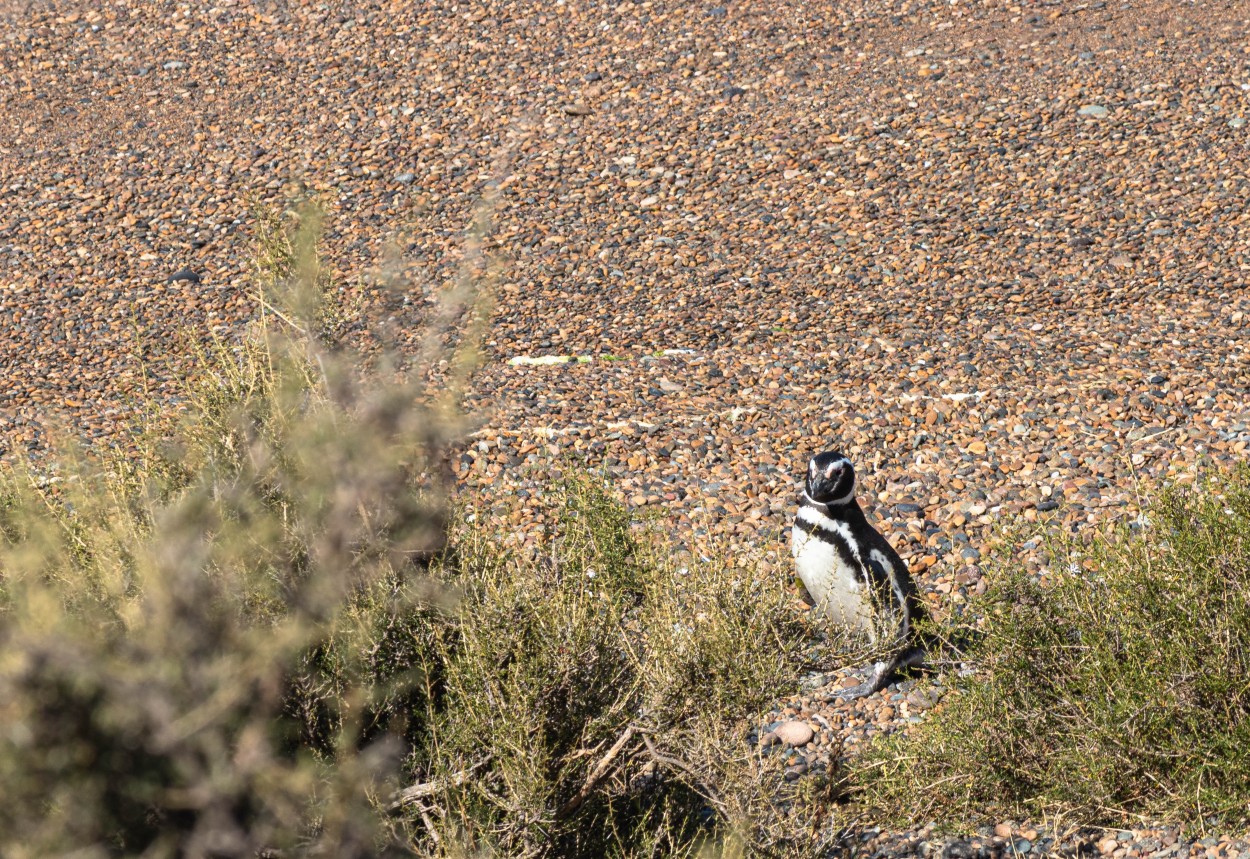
point(852, 572)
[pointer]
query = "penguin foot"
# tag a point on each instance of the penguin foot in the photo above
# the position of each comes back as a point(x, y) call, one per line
point(854, 693)
point(875, 683)
point(881, 673)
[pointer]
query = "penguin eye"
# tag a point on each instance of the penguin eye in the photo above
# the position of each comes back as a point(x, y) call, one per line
point(829, 471)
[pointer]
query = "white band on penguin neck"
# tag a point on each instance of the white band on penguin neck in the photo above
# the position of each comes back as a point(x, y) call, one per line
point(837, 502)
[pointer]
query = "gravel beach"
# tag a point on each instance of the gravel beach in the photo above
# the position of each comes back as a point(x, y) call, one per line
point(995, 252)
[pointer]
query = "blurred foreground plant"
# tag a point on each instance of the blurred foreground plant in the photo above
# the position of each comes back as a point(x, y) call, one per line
point(198, 649)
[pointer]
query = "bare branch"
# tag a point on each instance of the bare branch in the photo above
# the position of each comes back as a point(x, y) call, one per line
point(700, 785)
point(597, 774)
point(417, 792)
point(430, 827)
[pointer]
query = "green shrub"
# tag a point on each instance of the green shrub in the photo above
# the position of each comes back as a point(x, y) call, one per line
point(596, 696)
point(1114, 690)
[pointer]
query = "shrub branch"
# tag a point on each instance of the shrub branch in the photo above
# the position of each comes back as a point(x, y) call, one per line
point(597, 774)
point(416, 792)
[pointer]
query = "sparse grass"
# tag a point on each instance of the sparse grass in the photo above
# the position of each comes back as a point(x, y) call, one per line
point(247, 639)
point(1116, 692)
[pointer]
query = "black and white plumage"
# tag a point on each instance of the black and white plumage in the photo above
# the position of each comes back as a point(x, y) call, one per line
point(851, 571)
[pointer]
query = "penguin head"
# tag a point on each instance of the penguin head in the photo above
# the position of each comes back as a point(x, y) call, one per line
point(830, 479)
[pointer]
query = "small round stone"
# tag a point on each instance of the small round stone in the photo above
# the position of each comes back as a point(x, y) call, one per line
point(794, 733)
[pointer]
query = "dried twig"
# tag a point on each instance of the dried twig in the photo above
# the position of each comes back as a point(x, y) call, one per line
point(597, 774)
point(417, 792)
point(700, 783)
point(430, 827)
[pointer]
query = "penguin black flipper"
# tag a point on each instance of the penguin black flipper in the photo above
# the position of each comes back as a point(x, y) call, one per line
point(912, 647)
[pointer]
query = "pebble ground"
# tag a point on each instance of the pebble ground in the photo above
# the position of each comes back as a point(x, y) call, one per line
point(996, 252)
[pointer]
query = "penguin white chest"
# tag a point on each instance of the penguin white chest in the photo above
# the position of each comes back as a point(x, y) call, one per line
point(837, 586)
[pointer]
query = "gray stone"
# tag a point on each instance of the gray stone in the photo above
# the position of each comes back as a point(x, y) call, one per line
point(1093, 110)
point(923, 699)
point(794, 772)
